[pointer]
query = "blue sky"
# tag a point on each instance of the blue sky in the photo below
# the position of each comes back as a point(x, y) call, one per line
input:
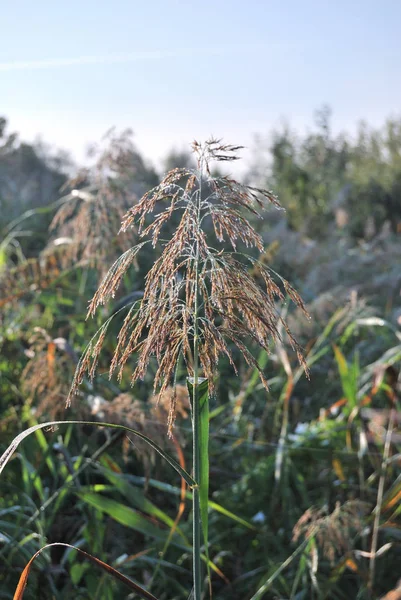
point(174, 71)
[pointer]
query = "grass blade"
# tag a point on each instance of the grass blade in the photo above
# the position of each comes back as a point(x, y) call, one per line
point(19, 592)
point(136, 497)
point(126, 516)
point(170, 489)
point(52, 424)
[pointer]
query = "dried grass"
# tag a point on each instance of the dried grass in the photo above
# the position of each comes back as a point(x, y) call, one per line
point(86, 224)
point(47, 375)
point(148, 418)
point(335, 531)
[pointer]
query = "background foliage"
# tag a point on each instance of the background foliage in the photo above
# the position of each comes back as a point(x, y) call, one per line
point(305, 479)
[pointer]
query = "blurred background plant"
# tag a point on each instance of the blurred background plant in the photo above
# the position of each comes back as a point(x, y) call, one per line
point(329, 448)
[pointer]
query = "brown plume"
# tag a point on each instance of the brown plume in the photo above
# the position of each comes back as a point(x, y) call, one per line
point(195, 295)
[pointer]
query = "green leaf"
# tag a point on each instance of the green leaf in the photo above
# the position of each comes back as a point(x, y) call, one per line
point(204, 456)
point(341, 362)
point(136, 498)
point(349, 375)
point(170, 489)
point(202, 392)
point(229, 514)
point(77, 571)
point(41, 439)
point(126, 516)
point(3, 258)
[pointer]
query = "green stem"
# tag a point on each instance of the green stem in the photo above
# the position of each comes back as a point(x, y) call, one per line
point(379, 502)
point(196, 541)
point(196, 526)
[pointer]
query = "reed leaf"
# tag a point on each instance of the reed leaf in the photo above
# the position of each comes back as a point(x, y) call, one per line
point(19, 592)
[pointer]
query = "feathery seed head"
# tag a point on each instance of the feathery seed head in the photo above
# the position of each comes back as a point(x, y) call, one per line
point(195, 293)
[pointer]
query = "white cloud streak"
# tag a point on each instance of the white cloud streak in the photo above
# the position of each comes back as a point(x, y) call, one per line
point(29, 65)
point(132, 57)
point(143, 55)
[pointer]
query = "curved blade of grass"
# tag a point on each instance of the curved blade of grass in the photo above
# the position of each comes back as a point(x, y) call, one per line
point(19, 592)
point(51, 424)
point(33, 212)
